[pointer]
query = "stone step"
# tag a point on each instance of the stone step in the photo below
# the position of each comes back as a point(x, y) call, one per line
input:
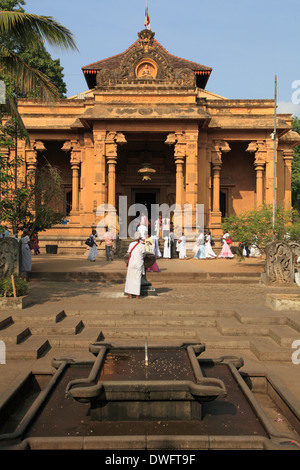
point(150, 312)
point(262, 318)
point(266, 349)
point(39, 317)
point(154, 333)
point(68, 326)
point(14, 333)
point(149, 322)
point(118, 277)
point(228, 326)
point(284, 335)
point(294, 322)
point(32, 348)
point(81, 340)
point(5, 320)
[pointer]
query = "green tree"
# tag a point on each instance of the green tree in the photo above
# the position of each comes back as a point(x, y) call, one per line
point(33, 31)
point(39, 59)
point(31, 203)
point(256, 226)
point(296, 169)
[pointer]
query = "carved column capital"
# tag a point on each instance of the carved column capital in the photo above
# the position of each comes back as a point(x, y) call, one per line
point(112, 140)
point(178, 139)
point(219, 147)
point(73, 147)
point(259, 148)
point(288, 155)
point(31, 154)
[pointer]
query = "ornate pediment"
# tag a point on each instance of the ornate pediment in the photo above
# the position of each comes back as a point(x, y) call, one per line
point(145, 64)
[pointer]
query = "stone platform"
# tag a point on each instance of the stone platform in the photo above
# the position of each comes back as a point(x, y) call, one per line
point(221, 303)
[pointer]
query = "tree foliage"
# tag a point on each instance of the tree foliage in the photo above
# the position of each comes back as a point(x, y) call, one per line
point(32, 32)
point(296, 169)
point(30, 202)
point(256, 226)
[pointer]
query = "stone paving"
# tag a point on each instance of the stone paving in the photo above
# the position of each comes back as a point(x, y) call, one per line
point(221, 303)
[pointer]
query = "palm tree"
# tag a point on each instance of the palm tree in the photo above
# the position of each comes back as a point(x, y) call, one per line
point(33, 31)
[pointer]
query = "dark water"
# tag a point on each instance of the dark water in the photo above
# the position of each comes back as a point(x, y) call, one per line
point(162, 365)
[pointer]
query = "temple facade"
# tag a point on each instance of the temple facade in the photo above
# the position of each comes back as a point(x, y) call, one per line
point(147, 129)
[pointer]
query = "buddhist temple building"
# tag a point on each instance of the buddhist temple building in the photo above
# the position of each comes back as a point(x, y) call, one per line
point(147, 111)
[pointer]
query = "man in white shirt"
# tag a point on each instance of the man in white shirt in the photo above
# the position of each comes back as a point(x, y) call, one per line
point(109, 241)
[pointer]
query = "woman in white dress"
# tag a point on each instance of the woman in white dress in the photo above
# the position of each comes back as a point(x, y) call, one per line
point(93, 249)
point(209, 252)
point(25, 252)
point(156, 246)
point(226, 251)
point(181, 247)
point(167, 247)
point(200, 253)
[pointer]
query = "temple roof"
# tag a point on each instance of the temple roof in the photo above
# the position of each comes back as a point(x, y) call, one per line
point(113, 63)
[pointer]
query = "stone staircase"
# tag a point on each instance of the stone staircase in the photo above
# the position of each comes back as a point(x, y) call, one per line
point(268, 335)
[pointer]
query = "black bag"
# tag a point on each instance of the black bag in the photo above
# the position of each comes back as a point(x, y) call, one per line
point(89, 242)
point(212, 242)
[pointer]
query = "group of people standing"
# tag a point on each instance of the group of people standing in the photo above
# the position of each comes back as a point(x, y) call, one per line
point(108, 238)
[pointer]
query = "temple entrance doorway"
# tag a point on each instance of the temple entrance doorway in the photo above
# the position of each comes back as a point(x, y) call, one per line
point(146, 197)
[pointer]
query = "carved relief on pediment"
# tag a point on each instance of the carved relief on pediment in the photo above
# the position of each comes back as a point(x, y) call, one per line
point(145, 63)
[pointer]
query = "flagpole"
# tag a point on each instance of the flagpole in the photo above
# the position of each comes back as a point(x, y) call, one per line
point(147, 19)
point(274, 159)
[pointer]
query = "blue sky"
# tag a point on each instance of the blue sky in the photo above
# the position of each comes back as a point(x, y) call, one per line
point(246, 42)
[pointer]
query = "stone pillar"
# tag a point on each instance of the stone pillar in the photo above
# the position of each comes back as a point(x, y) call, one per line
point(216, 169)
point(219, 147)
point(179, 163)
point(259, 168)
point(288, 159)
point(178, 140)
point(111, 176)
point(191, 178)
point(260, 151)
point(75, 163)
point(100, 195)
point(75, 167)
point(111, 152)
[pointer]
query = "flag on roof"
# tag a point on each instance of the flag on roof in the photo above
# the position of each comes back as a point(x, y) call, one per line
point(147, 18)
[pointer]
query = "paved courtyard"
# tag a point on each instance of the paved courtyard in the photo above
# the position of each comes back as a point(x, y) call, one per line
point(221, 303)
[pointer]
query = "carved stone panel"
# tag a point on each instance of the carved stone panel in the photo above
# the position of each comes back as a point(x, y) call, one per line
point(280, 262)
point(9, 257)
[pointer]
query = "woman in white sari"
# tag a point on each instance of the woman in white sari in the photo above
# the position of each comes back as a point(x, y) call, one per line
point(181, 247)
point(93, 249)
point(25, 252)
point(135, 268)
point(209, 252)
point(167, 247)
